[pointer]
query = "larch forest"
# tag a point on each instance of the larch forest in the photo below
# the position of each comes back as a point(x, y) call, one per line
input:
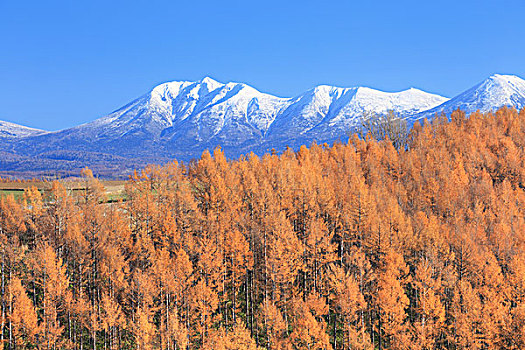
point(359, 245)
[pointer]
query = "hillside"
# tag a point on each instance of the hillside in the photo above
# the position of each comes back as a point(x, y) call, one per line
point(12, 131)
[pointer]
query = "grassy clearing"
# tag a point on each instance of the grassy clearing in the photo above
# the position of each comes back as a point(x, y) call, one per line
point(114, 189)
point(17, 193)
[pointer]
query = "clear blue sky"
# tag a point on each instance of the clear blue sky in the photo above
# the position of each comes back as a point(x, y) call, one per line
point(68, 62)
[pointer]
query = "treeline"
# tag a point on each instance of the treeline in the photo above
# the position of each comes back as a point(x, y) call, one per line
point(355, 246)
point(15, 180)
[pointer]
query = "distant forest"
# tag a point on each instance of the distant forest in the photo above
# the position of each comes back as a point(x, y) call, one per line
point(355, 246)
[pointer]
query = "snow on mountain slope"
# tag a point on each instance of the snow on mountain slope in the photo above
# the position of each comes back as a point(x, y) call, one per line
point(403, 103)
point(328, 113)
point(12, 130)
point(495, 92)
point(182, 118)
point(192, 116)
point(197, 110)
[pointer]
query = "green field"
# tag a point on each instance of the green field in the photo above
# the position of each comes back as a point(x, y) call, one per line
point(17, 193)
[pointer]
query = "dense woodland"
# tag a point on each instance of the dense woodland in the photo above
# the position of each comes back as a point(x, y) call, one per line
point(354, 246)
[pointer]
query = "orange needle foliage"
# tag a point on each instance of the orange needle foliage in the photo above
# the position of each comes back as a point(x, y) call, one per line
point(354, 246)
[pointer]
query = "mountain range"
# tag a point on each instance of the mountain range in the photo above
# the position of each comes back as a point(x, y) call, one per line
point(181, 119)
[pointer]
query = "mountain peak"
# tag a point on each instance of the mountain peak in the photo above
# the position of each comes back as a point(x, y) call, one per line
point(505, 79)
point(500, 90)
point(496, 91)
point(498, 76)
point(209, 81)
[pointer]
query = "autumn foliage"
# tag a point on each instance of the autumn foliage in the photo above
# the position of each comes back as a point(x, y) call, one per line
point(354, 246)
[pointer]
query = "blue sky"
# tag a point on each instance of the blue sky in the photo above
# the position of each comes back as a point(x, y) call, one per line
point(63, 63)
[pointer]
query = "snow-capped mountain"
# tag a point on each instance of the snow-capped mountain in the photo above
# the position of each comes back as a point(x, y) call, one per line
point(12, 130)
point(326, 113)
point(495, 92)
point(195, 111)
point(234, 113)
point(181, 119)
